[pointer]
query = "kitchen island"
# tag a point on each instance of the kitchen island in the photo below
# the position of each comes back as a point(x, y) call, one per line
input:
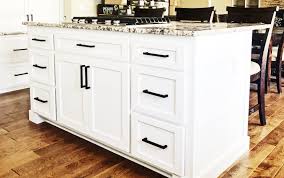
point(173, 98)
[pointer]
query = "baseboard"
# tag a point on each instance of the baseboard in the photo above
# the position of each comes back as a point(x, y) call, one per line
point(35, 118)
point(7, 90)
point(228, 159)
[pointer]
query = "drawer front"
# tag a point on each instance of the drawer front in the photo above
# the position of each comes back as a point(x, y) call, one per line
point(41, 39)
point(13, 49)
point(158, 93)
point(106, 48)
point(158, 143)
point(42, 67)
point(43, 100)
point(159, 53)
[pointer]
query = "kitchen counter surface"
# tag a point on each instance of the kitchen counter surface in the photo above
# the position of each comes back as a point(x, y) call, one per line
point(11, 33)
point(172, 29)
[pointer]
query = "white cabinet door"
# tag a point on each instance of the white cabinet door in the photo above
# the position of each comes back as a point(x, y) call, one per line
point(108, 104)
point(44, 11)
point(69, 94)
point(12, 14)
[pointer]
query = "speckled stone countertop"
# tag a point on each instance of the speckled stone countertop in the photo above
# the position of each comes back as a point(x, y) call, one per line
point(172, 29)
point(11, 33)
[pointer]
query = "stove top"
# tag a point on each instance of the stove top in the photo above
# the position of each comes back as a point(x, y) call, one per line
point(121, 20)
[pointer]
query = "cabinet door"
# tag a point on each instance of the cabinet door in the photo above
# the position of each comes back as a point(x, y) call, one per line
point(108, 104)
point(70, 104)
point(12, 14)
point(44, 11)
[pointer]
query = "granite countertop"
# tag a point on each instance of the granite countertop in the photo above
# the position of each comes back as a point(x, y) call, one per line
point(11, 33)
point(172, 29)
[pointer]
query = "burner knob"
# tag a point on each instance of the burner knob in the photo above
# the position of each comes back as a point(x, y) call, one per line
point(88, 20)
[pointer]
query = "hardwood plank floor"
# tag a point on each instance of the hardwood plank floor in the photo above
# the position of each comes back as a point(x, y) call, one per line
point(29, 150)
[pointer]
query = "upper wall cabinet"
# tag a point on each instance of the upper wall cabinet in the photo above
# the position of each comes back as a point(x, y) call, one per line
point(43, 10)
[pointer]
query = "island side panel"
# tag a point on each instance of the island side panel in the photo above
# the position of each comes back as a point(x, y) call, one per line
point(221, 82)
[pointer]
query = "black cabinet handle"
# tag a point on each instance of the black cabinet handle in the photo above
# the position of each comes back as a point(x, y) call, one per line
point(28, 17)
point(39, 40)
point(86, 78)
point(154, 144)
point(86, 46)
point(38, 66)
point(22, 49)
point(32, 17)
point(26, 73)
point(81, 76)
point(155, 94)
point(40, 100)
point(156, 55)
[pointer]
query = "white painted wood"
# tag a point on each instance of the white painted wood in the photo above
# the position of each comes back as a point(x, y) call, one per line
point(158, 45)
point(42, 67)
point(108, 103)
point(105, 47)
point(40, 38)
point(171, 158)
point(159, 81)
point(69, 94)
point(35, 118)
point(44, 93)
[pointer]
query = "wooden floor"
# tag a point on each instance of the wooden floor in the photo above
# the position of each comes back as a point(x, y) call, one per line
point(32, 151)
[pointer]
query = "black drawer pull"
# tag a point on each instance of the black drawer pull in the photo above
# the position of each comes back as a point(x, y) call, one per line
point(40, 100)
point(26, 73)
point(39, 40)
point(86, 46)
point(86, 78)
point(81, 76)
point(155, 94)
point(156, 55)
point(40, 67)
point(23, 49)
point(154, 144)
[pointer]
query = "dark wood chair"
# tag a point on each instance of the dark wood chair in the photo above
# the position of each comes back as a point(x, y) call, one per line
point(277, 58)
point(195, 14)
point(139, 12)
point(260, 47)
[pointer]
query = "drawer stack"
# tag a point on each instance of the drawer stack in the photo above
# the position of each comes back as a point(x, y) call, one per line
point(14, 63)
point(42, 74)
point(157, 104)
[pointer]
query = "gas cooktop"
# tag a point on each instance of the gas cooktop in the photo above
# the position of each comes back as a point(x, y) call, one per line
point(121, 20)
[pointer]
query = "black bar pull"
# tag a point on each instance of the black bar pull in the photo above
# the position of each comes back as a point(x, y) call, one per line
point(154, 144)
point(39, 40)
point(26, 73)
point(40, 67)
point(28, 17)
point(156, 55)
point(86, 46)
point(155, 94)
point(40, 100)
point(22, 49)
point(81, 76)
point(32, 17)
point(86, 78)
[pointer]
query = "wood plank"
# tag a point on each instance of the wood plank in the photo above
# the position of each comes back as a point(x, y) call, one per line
point(280, 173)
point(9, 174)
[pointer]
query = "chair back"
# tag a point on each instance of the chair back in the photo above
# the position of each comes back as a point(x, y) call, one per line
point(195, 14)
point(260, 40)
point(139, 12)
point(278, 41)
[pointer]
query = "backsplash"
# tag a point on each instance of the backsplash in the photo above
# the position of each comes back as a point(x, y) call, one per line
point(271, 3)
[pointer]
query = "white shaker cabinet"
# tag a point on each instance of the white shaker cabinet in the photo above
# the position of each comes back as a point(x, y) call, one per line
point(108, 104)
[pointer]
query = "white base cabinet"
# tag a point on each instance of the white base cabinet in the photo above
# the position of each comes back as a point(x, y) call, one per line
point(163, 107)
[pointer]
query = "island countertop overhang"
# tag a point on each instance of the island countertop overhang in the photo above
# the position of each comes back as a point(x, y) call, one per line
point(172, 29)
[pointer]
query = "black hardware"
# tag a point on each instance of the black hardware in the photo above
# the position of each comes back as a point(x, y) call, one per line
point(40, 67)
point(32, 17)
point(156, 55)
point(40, 100)
point(81, 76)
point(86, 77)
point(86, 46)
point(28, 17)
point(39, 40)
point(26, 73)
point(155, 94)
point(154, 144)
point(22, 49)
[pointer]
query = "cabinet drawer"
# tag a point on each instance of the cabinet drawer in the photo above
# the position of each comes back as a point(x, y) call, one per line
point(42, 67)
point(43, 100)
point(108, 47)
point(158, 93)
point(162, 53)
point(158, 143)
point(41, 39)
point(13, 49)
